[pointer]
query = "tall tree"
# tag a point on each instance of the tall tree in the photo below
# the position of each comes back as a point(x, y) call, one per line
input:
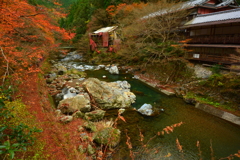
point(150, 33)
point(80, 13)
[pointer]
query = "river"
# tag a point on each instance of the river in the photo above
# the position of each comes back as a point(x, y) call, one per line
point(217, 137)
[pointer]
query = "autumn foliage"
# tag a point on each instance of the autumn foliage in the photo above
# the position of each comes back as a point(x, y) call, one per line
point(27, 34)
point(123, 9)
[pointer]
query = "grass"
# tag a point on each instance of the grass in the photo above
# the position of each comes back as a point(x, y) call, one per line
point(207, 100)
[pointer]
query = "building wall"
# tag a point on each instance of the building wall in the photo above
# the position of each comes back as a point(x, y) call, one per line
point(211, 54)
point(215, 34)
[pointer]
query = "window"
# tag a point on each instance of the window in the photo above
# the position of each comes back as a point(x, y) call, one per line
point(196, 55)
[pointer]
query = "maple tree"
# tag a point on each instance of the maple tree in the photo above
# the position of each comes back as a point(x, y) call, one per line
point(28, 33)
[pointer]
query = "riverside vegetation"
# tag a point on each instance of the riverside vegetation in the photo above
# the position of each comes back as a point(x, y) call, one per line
point(30, 128)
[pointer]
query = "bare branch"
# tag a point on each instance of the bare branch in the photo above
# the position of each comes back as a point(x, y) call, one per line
point(7, 70)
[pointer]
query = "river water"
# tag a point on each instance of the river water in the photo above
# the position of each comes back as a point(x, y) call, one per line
point(218, 138)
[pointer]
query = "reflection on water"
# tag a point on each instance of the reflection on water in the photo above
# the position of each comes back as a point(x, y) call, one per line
point(209, 130)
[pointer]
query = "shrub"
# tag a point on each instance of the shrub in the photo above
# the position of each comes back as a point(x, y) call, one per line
point(15, 135)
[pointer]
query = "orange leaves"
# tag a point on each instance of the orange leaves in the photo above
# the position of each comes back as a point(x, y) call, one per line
point(123, 8)
point(27, 34)
point(57, 4)
point(185, 41)
point(169, 129)
point(179, 146)
point(128, 142)
point(122, 118)
point(237, 154)
point(129, 145)
point(111, 9)
point(141, 136)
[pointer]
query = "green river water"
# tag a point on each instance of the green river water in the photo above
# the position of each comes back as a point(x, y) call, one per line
point(212, 132)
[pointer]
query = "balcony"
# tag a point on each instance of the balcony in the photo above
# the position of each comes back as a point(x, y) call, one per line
point(215, 39)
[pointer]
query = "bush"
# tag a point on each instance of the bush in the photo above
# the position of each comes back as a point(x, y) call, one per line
point(15, 136)
point(216, 68)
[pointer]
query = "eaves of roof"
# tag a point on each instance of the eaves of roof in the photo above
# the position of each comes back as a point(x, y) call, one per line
point(213, 45)
point(214, 7)
point(212, 23)
point(105, 29)
point(228, 16)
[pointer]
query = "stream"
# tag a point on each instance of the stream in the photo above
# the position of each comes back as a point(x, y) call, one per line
point(217, 137)
point(197, 126)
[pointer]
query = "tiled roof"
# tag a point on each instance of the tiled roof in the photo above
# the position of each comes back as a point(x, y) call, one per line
point(225, 3)
point(233, 14)
point(177, 7)
point(105, 29)
point(187, 5)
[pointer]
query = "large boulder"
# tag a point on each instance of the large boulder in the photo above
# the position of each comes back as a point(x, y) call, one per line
point(114, 70)
point(107, 136)
point(109, 95)
point(77, 103)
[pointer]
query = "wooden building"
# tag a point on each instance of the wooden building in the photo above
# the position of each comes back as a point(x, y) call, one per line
point(104, 39)
point(199, 7)
point(214, 37)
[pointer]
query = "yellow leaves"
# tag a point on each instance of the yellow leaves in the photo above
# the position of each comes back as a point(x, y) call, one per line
point(198, 144)
point(168, 155)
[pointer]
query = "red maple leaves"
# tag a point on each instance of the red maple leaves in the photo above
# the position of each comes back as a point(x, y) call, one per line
point(27, 34)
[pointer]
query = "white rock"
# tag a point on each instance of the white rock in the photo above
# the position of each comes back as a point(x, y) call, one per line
point(135, 77)
point(114, 70)
point(121, 110)
point(146, 109)
point(101, 66)
point(71, 92)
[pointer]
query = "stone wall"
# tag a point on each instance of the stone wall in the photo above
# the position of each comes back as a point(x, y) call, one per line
point(219, 113)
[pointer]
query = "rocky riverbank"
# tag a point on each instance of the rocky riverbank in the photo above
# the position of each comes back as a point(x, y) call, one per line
point(79, 98)
point(212, 98)
point(87, 99)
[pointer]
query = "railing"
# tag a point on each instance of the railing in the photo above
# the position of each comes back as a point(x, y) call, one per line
point(212, 58)
point(216, 39)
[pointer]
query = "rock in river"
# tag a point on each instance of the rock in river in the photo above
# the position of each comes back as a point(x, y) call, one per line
point(146, 109)
point(114, 70)
point(109, 95)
